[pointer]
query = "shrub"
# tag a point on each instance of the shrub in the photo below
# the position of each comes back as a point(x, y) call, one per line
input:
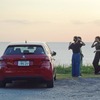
point(61, 69)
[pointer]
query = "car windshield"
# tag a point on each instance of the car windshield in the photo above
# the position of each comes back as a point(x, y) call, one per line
point(24, 49)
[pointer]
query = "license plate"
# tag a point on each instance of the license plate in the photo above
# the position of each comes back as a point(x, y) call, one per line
point(23, 63)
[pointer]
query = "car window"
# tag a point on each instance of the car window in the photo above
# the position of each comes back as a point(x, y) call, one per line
point(24, 49)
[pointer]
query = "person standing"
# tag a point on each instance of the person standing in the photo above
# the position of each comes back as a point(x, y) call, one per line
point(81, 53)
point(76, 46)
point(96, 60)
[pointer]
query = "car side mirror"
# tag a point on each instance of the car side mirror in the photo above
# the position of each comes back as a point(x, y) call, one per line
point(53, 53)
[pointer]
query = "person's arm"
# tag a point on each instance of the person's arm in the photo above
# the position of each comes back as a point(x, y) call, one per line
point(96, 51)
point(83, 44)
point(93, 44)
point(69, 47)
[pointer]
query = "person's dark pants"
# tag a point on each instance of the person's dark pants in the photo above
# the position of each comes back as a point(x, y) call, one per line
point(76, 64)
point(96, 62)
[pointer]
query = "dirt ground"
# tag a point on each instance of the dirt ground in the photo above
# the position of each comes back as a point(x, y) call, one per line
point(65, 89)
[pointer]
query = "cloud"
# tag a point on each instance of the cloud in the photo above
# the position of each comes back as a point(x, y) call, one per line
point(97, 22)
point(77, 22)
point(24, 22)
point(16, 21)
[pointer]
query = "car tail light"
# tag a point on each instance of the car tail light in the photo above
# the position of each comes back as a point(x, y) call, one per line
point(2, 63)
point(46, 63)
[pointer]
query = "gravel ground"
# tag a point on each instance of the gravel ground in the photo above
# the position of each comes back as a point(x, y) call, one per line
point(67, 89)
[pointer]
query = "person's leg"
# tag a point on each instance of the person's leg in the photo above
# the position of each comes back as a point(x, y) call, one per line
point(99, 63)
point(77, 64)
point(96, 62)
point(73, 65)
point(81, 64)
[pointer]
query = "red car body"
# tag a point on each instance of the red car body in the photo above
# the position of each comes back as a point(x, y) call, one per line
point(24, 61)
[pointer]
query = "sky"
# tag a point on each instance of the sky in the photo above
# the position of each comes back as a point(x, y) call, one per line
point(49, 20)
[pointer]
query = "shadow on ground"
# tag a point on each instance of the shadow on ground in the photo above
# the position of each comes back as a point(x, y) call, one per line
point(25, 85)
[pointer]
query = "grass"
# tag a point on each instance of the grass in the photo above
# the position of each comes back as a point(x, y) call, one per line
point(65, 71)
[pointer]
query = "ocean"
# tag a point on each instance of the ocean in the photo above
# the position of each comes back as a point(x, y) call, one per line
point(63, 56)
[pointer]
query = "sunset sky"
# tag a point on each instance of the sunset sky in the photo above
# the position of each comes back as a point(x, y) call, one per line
point(49, 20)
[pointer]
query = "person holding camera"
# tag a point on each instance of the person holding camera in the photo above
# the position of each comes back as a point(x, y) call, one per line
point(76, 47)
point(96, 60)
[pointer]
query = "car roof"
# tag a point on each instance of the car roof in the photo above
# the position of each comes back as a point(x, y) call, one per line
point(28, 43)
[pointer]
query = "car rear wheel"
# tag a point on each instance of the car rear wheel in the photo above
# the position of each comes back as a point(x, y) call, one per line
point(2, 84)
point(54, 73)
point(50, 84)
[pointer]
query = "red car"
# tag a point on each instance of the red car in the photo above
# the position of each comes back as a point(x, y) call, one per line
point(27, 61)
